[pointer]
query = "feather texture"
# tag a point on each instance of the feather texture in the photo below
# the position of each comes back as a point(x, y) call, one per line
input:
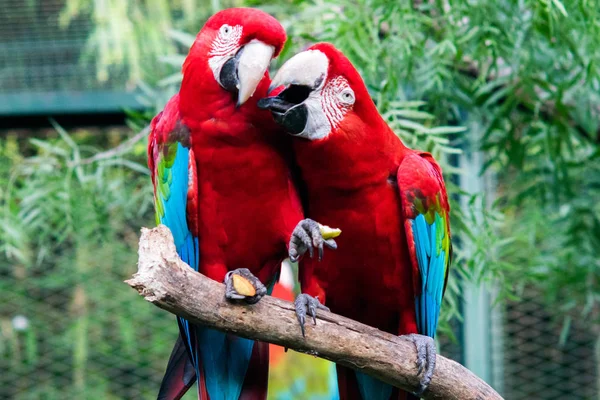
point(426, 210)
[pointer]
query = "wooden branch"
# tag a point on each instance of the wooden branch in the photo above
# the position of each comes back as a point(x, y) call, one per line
point(167, 282)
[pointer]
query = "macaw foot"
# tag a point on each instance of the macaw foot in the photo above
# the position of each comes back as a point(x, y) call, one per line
point(425, 359)
point(305, 303)
point(305, 236)
point(240, 284)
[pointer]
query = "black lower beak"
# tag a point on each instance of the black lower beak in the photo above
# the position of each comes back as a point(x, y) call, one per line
point(291, 116)
point(228, 77)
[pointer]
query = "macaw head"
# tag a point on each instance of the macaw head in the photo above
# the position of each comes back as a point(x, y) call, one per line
point(234, 48)
point(318, 93)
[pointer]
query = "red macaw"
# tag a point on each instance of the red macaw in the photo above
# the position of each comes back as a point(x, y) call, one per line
point(389, 201)
point(223, 186)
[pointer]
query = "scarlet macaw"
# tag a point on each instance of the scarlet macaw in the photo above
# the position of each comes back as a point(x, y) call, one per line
point(390, 202)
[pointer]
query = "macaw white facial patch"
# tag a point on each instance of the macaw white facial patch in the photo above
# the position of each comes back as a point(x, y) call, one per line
point(337, 99)
point(327, 107)
point(225, 45)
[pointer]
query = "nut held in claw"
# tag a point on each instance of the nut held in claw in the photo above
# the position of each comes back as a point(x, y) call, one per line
point(328, 232)
point(243, 286)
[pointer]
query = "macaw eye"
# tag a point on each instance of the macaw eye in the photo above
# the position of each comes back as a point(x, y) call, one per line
point(347, 96)
point(225, 30)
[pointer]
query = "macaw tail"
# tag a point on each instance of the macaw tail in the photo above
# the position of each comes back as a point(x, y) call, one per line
point(354, 385)
point(180, 374)
point(257, 376)
point(230, 368)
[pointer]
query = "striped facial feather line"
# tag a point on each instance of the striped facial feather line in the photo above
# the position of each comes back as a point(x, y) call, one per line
point(223, 47)
point(226, 43)
point(333, 107)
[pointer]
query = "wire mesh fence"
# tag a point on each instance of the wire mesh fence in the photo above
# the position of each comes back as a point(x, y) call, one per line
point(536, 364)
point(38, 54)
point(79, 338)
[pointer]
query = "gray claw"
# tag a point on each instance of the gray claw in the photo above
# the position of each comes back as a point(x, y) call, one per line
point(232, 294)
point(426, 357)
point(305, 236)
point(305, 302)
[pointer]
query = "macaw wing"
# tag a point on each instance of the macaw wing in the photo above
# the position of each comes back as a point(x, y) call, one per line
point(426, 222)
point(174, 176)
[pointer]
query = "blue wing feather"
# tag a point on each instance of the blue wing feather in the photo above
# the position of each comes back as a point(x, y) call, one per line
point(431, 259)
point(371, 388)
point(172, 182)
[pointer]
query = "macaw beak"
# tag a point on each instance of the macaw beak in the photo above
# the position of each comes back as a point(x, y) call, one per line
point(308, 68)
point(295, 81)
point(243, 72)
point(290, 115)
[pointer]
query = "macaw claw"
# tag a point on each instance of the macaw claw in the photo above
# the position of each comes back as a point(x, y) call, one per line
point(426, 357)
point(306, 304)
point(309, 234)
point(240, 284)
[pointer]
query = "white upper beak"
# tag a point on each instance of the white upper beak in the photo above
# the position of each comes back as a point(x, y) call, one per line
point(253, 63)
point(308, 68)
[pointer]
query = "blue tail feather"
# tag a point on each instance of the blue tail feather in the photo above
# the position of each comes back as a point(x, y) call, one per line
point(224, 360)
point(371, 388)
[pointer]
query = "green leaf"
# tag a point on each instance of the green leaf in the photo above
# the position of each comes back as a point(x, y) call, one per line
point(182, 38)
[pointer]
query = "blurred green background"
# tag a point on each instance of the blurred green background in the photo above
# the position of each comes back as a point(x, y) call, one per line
point(506, 94)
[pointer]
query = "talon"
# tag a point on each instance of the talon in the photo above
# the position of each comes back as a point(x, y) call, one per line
point(309, 234)
point(312, 311)
point(301, 319)
point(293, 255)
point(426, 358)
point(241, 284)
point(307, 304)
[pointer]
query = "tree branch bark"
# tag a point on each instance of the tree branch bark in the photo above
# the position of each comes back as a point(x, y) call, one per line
point(167, 282)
